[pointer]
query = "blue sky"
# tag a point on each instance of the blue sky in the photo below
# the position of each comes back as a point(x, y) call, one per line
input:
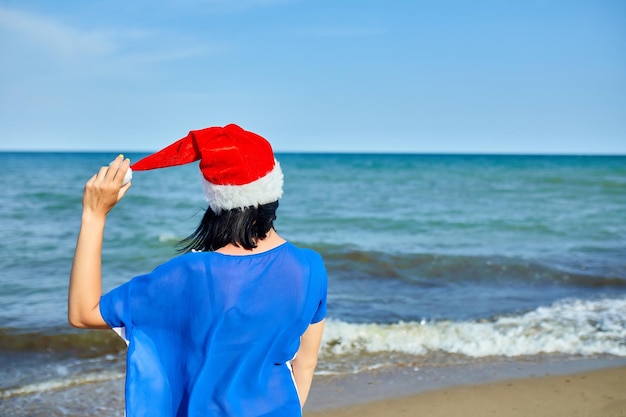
point(526, 76)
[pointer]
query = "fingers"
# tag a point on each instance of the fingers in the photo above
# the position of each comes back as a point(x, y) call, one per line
point(119, 166)
point(105, 189)
point(116, 170)
point(101, 175)
point(92, 180)
point(123, 190)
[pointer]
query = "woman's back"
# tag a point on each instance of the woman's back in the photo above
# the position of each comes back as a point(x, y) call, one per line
point(212, 334)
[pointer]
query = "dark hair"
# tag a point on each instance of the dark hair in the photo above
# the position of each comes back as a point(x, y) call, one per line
point(240, 226)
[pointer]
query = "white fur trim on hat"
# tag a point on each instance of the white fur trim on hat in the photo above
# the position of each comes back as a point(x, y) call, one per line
point(265, 190)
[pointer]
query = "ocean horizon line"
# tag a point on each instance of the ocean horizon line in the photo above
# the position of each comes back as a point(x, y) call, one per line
point(337, 152)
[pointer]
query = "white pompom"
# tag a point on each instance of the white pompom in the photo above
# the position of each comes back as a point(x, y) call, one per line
point(128, 176)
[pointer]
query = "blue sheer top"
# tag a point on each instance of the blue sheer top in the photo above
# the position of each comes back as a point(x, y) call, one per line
point(212, 334)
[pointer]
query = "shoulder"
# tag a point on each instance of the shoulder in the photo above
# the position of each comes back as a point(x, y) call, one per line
point(185, 260)
point(313, 258)
point(176, 267)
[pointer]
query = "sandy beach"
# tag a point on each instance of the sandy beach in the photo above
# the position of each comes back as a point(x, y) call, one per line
point(596, 393)
point(534, 387)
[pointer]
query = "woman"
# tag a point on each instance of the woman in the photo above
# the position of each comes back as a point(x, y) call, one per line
point(233, 326)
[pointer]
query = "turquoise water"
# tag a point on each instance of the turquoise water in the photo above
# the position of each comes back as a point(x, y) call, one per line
point(430, 257)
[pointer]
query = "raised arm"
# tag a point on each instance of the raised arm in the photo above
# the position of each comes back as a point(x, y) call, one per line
point(102, 192)
point(305, 361)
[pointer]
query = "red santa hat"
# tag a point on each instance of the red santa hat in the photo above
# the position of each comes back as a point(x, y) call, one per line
point(238, 167)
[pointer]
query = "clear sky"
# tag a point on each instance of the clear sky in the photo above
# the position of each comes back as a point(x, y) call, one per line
point(505, 76)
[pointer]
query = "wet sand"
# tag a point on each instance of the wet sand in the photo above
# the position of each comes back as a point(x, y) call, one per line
point(536, 387)
point(595, 393)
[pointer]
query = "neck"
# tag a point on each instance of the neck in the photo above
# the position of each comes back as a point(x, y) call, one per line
point(271, 241)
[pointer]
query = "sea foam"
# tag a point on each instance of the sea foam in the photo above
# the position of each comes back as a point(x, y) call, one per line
point(573, 327)
point(59, 383)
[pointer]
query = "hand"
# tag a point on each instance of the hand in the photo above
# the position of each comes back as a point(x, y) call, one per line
point(105, 189)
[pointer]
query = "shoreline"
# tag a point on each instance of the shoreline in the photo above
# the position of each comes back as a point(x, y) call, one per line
point(554, 386)
point(439, 388)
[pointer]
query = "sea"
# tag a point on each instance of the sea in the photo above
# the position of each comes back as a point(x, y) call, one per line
point(433, 260)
